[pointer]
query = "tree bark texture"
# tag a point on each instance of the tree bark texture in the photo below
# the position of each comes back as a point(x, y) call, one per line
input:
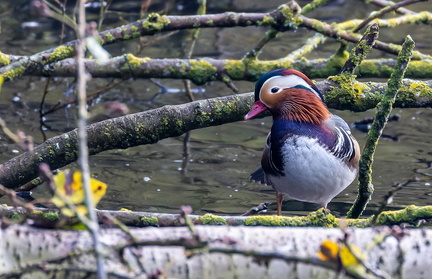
point(220, 252)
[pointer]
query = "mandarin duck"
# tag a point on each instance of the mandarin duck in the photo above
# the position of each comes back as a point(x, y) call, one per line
point(310, 154)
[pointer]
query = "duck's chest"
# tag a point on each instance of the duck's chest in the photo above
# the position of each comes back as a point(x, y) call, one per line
point(301, 155)
point(295, 145)
point(310, 172)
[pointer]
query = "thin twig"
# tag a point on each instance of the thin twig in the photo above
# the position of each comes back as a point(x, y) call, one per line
point(15, 201)
point(273, 32)
point(229, 83)
point(308, 46)
point(202, 9)
point(312, 6)
point(11, 135)
point(41, 105)
point(262, 256)
point(385, 3)
point(385, 11)
point(388, 199)
point(253, 53)
point(376, 272)
point(90, 96)
point(83, 155)
point(104, 6)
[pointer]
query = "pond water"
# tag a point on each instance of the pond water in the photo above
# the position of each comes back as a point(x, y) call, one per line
point(215, 178)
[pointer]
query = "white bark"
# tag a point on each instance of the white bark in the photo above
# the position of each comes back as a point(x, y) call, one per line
point(32, 252)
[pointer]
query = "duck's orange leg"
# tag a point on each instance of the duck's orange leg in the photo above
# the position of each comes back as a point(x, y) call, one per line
point(279, 200)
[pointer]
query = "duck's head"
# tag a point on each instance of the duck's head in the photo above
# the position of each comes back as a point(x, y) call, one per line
point(289, 94)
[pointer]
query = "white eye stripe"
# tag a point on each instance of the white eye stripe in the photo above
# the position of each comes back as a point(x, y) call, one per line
point(283, 82)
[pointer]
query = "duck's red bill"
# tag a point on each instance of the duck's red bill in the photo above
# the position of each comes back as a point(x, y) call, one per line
point(256, 109)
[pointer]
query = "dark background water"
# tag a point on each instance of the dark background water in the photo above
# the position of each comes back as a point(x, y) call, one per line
point(151, 178)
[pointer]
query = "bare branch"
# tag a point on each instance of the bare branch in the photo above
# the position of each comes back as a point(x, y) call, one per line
point(385, 11)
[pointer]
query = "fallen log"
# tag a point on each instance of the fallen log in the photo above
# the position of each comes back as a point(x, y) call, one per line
point(214, 252)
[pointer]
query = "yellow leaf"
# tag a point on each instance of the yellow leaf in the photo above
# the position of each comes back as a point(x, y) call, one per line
point(329, 251)
point(343, 255)
point(70, 188)
point(333, 252)
point(347, 257)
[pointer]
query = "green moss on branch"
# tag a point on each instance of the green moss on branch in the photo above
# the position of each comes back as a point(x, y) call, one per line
point(383, 111)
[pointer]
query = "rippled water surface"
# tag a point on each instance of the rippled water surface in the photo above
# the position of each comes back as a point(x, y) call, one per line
point(215, 178)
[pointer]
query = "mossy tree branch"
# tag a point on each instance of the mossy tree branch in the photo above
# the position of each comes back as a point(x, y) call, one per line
point(169, 121)
point(205, 70)
point(342, 33)
point(312, 6)
point(360, 51)
point(410, 215)
point(284, 18)
point(384, 108)
point(154, 23)
point(123, 132)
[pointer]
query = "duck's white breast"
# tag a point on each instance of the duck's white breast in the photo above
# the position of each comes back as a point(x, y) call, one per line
point(311, 173)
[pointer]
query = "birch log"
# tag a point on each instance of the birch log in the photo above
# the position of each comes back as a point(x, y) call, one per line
point(28, 252)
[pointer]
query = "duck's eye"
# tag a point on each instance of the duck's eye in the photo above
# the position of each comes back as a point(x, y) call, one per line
point(274, 90)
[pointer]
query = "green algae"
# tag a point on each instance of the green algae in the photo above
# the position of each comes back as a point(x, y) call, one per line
point(319, 218)
point(60, 53)
point(350, 93)
point(210, 219)
point(267, 21)
point(49, 216)
point(14, 73)
point(155, 22)
point(235, 69)
point(149, 221)
point(409, 214)
point(201, 71)
point(4, 59)
point(108, 37)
